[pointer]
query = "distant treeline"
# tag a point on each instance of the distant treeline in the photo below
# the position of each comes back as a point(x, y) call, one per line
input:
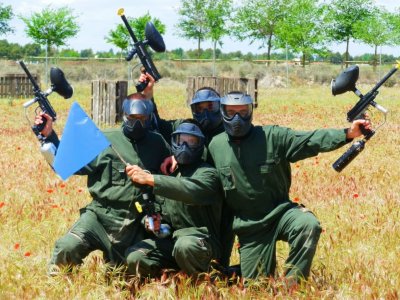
point(15, 51)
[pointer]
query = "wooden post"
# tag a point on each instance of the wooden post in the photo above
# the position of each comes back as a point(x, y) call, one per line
point(107, 98)
point(222, 85)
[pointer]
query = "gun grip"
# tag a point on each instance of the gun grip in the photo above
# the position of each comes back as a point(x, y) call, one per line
point(39, 127)
point(140, 86)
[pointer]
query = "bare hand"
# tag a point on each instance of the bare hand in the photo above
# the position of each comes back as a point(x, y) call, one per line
point(169, 165)
point(355, 128)
point(48, 128)
point(139, 175)
point(148, 91)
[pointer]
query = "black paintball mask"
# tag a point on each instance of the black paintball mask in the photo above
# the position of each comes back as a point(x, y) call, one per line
point(137, 118)
point(237, 113)
point(205, 108)
point(187, 143)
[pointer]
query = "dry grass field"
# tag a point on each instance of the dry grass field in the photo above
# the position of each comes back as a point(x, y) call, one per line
point(358, 256)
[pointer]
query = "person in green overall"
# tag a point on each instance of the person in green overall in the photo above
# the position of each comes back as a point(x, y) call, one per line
point(110, 222)
point(253, 163)
point(192, 207)
point(204, 106)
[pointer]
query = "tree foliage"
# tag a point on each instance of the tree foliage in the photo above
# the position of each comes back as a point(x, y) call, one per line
point(192, 23)
point(120, 36)
point(218, 14)
point(342, 17)
point(301, 28)
point(6, 14)
point(51, 27)
point(375, 30)
point(256, 20)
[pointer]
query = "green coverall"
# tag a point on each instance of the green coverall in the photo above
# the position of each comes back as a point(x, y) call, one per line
point(256, 177)
point(165, 128)
point(111, 223)
point(192, 200)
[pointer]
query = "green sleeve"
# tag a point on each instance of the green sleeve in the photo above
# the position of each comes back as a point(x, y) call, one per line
point(299, 145)
point(203, 188)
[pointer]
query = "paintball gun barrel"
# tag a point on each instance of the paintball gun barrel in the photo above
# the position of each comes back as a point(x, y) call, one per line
point(346, 82)
point(58, 84)
point(154, 40)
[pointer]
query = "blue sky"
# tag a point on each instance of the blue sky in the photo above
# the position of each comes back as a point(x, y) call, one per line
point(97, 18)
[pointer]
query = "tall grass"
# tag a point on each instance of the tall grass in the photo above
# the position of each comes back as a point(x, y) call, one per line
point(357, 256)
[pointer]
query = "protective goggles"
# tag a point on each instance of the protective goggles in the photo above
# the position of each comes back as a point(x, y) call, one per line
point(130, 120)
point(191, 140)
point(199, 107)
point(244, 110)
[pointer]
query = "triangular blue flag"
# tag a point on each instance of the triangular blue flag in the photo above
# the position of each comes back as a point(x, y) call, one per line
point(81, 142)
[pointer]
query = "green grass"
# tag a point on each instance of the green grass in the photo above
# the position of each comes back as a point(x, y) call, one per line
point(357, 256)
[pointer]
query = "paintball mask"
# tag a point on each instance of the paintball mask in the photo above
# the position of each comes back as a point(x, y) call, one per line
point(136, 117)
point(237, 113)
point(187, 143)
point(205, 108)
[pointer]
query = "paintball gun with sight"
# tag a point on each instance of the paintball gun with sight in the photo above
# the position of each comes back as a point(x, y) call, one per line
point(154, 40)
point(59, 85)
point(346, 82)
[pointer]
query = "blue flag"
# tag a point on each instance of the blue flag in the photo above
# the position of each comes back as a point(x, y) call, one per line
point(81, 142)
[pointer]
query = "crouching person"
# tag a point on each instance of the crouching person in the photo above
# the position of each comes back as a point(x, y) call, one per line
point(192, 202)
point(109, 222)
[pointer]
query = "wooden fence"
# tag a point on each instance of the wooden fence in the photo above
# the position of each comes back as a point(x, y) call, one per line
point(107, 98)
point(17, 86)
point(222, 85)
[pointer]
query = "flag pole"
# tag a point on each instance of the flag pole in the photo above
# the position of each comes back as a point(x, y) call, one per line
point(119, 155)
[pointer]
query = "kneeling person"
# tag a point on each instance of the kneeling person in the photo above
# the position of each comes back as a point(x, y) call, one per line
point(192, 207)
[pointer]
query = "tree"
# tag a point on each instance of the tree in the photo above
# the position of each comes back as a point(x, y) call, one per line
point(301, 29)
point(192, 23)
point(375, 30)
point(256, 20)
point(342, 17)
point(394, 22)
point(6, 15)
point(218, 13)
point(120, 37)
point(51, 27)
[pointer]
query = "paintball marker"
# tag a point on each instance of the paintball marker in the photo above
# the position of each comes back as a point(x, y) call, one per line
point(149, 206)
point(58, 84)
point(154, 40)
point(346, 82)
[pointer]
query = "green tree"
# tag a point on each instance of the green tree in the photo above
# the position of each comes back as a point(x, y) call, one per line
point(86, 53)
point(6, 14)
point(301, 29)
point(375, 30)
point(342, 17)
point(218, 14)
point(394, 22)
point(51, 27)
point(256, 20)
point(120, 37)
point(193, 21)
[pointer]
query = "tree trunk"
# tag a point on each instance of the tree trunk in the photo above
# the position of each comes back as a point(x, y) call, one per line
point(269, 48)
point(198, 48)
point(214, 46)
point(375, 62)
point(347, 51)
point(303, 60)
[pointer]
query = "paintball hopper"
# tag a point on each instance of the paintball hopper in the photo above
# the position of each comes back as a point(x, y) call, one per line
point(154, 38)
point(346, 81)
point(59, 84)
